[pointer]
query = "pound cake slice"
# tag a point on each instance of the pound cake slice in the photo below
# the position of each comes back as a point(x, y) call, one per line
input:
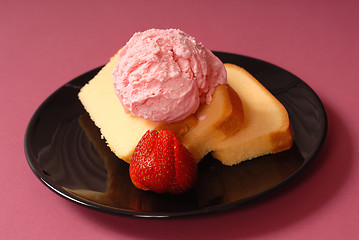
point(120, 130)
point(199, 132)
point(266, 128)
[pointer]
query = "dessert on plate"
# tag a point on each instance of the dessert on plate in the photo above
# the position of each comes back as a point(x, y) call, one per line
point(165, 83)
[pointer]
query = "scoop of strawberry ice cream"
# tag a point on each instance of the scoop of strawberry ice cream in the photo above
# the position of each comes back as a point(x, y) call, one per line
point(164, 75)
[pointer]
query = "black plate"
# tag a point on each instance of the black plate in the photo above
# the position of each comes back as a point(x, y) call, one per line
point(65, 151)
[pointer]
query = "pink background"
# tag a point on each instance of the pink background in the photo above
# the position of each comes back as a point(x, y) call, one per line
point(44, 44)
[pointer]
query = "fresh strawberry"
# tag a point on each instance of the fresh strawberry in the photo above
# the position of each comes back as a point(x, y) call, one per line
point(160, 163)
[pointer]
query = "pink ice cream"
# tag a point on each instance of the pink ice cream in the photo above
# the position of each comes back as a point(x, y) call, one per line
point(164, 75)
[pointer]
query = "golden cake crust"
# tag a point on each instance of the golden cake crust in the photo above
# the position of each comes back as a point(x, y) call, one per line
point(266, 128)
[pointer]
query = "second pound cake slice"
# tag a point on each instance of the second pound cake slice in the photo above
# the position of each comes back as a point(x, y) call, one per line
point(266, 128)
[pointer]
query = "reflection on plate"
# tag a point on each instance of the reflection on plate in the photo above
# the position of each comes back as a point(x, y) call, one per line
point(65, 151)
